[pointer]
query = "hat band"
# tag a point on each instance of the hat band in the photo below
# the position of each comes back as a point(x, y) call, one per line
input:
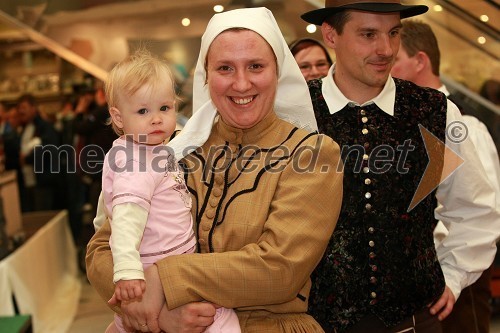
point(339, 3)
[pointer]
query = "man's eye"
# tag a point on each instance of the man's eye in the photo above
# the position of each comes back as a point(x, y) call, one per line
point(394, 33)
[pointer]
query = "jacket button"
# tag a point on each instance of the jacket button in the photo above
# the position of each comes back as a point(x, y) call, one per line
point(210, 213)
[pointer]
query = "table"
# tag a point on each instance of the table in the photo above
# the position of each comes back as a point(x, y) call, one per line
point(42, 274)
point(16, 324)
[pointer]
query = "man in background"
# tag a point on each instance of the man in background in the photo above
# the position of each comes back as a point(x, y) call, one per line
point(38, 164)
point(418, 60)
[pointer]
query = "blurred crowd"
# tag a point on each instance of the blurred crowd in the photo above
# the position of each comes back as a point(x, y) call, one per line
point(58, 157)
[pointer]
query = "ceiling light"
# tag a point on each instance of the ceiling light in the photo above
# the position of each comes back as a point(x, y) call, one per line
point(481, 40)
point(311, 28)
point(484, 18)
point(218, 8)
point(186, 22)
point(437, 8)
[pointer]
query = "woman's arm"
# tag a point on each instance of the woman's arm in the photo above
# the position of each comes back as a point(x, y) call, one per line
point(99, 263)
point(188, 318)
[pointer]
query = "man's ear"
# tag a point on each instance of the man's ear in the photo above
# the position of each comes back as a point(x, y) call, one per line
point(329, 34)
point(116, 116)
point(423, 60)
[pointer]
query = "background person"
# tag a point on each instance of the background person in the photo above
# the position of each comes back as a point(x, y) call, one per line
point(37, 138)
point(263, 212)
point(312, 57)
point(381, 270)
point(418, 61)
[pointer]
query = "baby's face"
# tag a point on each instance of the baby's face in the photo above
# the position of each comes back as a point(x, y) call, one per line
point(149, 114)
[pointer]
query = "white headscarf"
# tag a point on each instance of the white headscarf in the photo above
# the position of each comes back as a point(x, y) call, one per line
point(292, 102)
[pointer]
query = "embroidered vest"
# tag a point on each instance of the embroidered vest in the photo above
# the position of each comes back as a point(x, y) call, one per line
point(381, 258)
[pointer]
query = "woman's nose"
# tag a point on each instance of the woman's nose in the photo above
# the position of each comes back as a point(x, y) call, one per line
point(242, 82)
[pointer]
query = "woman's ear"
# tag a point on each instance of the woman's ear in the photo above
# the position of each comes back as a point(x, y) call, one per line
point(116, 116)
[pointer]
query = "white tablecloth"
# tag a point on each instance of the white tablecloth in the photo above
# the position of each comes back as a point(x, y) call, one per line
point(42, 275)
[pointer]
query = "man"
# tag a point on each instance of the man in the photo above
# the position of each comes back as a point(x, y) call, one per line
point(38, 161)
point(381, 271)
point(418, 61)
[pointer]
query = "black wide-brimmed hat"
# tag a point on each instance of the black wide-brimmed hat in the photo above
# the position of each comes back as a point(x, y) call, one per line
point(380, 6)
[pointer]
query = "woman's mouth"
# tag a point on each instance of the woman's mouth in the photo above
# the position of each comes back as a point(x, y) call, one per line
point(242, 100)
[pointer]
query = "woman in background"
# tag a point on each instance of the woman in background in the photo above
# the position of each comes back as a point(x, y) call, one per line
point(312, 57)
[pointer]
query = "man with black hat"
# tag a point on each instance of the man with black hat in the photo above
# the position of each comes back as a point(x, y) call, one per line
point(381, 272)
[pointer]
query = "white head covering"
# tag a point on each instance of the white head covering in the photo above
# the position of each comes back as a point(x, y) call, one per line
point(292, 102)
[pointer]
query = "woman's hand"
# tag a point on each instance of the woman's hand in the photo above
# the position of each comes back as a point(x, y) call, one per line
point(138, 315)
point(190, 318)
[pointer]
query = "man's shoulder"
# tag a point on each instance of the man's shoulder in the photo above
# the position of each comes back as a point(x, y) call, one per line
point(409, 90)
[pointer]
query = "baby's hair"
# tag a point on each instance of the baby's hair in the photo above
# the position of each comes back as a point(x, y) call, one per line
point(130, 74)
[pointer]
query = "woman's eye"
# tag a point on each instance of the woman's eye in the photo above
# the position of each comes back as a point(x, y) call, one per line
point(142, 111)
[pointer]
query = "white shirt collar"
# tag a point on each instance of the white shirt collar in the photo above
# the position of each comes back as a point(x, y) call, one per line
point(444, 90)
point(336, 100)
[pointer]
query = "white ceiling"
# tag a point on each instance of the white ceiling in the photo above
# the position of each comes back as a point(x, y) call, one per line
point(108, 25)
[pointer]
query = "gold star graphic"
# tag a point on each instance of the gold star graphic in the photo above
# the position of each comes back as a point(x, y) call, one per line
point(443, 161)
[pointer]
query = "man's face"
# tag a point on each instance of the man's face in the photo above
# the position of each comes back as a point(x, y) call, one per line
point(405, 66)
point(27, 112)
point(365, 52)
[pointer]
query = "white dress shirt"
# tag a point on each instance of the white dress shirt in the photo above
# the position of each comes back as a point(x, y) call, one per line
point(467, 206)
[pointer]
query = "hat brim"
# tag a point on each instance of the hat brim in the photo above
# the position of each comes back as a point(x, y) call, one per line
point(318, 16)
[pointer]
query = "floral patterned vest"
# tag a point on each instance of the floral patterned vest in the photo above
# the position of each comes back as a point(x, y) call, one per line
point(381, 258)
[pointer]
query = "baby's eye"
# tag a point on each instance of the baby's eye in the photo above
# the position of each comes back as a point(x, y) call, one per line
point(165, 108)
point(142, 111)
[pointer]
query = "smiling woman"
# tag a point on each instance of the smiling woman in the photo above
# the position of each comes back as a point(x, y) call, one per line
point(312, 57)
point(243, 86)
point(263, 208)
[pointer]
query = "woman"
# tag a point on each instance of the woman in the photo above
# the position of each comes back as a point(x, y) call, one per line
point(266, 194)
point(312, 57)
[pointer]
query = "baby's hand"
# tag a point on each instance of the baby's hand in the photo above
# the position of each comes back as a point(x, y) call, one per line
point(129, 290)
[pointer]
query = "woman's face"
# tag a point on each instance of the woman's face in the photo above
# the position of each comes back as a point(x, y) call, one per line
point(312, 62)
point(242, 77)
